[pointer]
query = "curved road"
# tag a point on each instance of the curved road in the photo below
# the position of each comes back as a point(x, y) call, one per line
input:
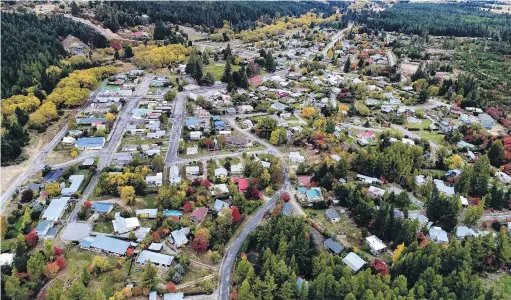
point(227, 266)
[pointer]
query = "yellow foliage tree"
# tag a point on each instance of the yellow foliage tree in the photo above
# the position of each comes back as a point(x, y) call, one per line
point(26, 103)
point(53, 189)
point(110, 118)
point(152, 56)
point(397, 252)
point(308, 112)
point(128, 195)
point(74, 152)
point(3, 226)
point(43, 115)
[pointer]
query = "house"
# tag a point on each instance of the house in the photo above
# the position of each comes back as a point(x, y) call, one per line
point(6, 259)
point(192, 123)
point(53, 175)
point(155, 258)
point(368, 135)
point(362, 142)
point(295, 157)
point(154, 180)
point(192, 170)
point(465, 145)
point(56, 209)
point(103, 243)
point(444, 189)
point(230, 111)
point(464, 201)
point(420, 180)
point(153, 295)
point(248, 123)
point(304, 180)
point(195, 135)
point(219, 189)
point(486, 120)
point(179, 237)
point(503, 177)
point(122, 158)
point(43, 227)
point(220, 172)
point(333, 246)
point(148, 213)
point(332, 215)
point(76, 182)
point(155, 247)
point(367, 179)
point(68, 140)
point(174, 176)
point(90, 143)
point(287, 209)
point(438, 235)
point(124, 225)
point(102, 207)
point(219, 205)
point(376, 245)
point(243, 109)
point(353, 261)
point(314, 194)
point(174, 296)
point(237, 141)
point(242, 183)
point(192, 150)
point(219, 125)
point(422, 219)
point(236, 169)
point(375, 192)
point(224, 133)
point(199, 214)
point(464, 231)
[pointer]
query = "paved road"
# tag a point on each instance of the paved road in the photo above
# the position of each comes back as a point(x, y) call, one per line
point(178, 116)
point(106, 154)
point(232, 251)
point(334, 39)
point(38, 163)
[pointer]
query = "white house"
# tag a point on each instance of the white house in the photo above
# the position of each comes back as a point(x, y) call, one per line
point(503, 177)
point(236, 169)
point(295, 157)
point(175, 178)
point(376, 245)
point(154, 180)
point(124, 225)
point(220, 172)
point(195, 135)
point(192, 170)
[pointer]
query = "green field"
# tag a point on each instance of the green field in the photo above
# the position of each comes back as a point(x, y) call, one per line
point(433, 136)
point(217, 70)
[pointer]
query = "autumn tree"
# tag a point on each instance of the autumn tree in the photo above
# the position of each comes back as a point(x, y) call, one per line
point(53, 189)
point(128, 195)
point(51, 269)
point(236, 216)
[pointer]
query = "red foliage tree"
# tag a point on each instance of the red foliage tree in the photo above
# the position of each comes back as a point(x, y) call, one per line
point(189, 191)
point(87, 204)
point(130, 251)
point(61, 262)
point(189, 206)
point(286, 197)
point(205, 183)
point(233, 295)
point(200, 243)
point(380, 267)
point(57, 251)
point(236, 216)
point(156, 236)
point(254, 193)
point(171, 287)
point(31, 239)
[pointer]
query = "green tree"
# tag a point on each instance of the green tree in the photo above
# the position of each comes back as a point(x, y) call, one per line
point(157, 163)
point(77, 292)
point(503, 253)
point(13, 288)
point(170, 96)
point(463, 185)
point(245, 291)
point(347, 65)
point(227, 75)
point(496, 153)
point(473, 213)
point(481, 178)
point(270, 64)
point(35, 266)
point(48, 250)
point(149, 275)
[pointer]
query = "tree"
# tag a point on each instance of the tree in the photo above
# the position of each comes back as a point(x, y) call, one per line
point(171, 287)
point(86, 276)
point(128, 195)
point(51, 269)
point(170, 96)
point(496, 154)
point(397, 252)
point(236, 216)
point(128, 51)
point(76, 291)
point(158, 163)
point(463, 184)
point(227, 75)
point(245, 291)
point(13, 288)
point(481, 178)
point(347, 65)
point(61, 262)
point(270, 64)
point(35, 266)
point(208, 79)
point(473, 213)
point(443, 210)
point(3, 226)
point(149, 275)
point(48, 250)
point(53, 189)
point(27, 195)
point(200, 243)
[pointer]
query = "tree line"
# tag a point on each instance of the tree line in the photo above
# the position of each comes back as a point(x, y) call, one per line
point(242, 15)
point(462, 20)
point(31, 44)
point(282, 251)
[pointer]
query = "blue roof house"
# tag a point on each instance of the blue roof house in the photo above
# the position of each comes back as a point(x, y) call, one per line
point(90, 143)
point(102, 208)
point(287, 209)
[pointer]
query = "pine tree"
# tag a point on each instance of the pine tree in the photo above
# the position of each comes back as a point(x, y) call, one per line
point(149, 275)
point(270, 64)
point(227, 76)
point(347, 65)
point(245, 291)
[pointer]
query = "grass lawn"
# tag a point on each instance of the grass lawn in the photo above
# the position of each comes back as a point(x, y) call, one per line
point(107, 227)
point(150, 201)
point(138, 140)
point(343, 227)
point(217, 70)
point(506, 284)
point(433, 136)
point(424, 124)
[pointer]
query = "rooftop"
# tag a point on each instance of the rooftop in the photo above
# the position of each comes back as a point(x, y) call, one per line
point(156, 258)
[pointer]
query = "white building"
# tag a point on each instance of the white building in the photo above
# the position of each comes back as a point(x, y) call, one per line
point(376, 245)
point(220, 172)
point(124, 225)
point(295, 157)
point(236, 169)
point(154, 180)
point(175, 178)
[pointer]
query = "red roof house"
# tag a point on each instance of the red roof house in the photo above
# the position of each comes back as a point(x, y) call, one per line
point(304, 180)
point(241, 182)
point(199, 214)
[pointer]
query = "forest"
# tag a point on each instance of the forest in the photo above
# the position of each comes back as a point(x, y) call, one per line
point(282, 250)
point(242, 15)
point(461, 20)
point(31, 44)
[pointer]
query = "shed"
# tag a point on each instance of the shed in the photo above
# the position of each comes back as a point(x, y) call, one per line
point(332, 215)
point(155, 258)
point(353, 261)
point(333, 246)
point(287, 209)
